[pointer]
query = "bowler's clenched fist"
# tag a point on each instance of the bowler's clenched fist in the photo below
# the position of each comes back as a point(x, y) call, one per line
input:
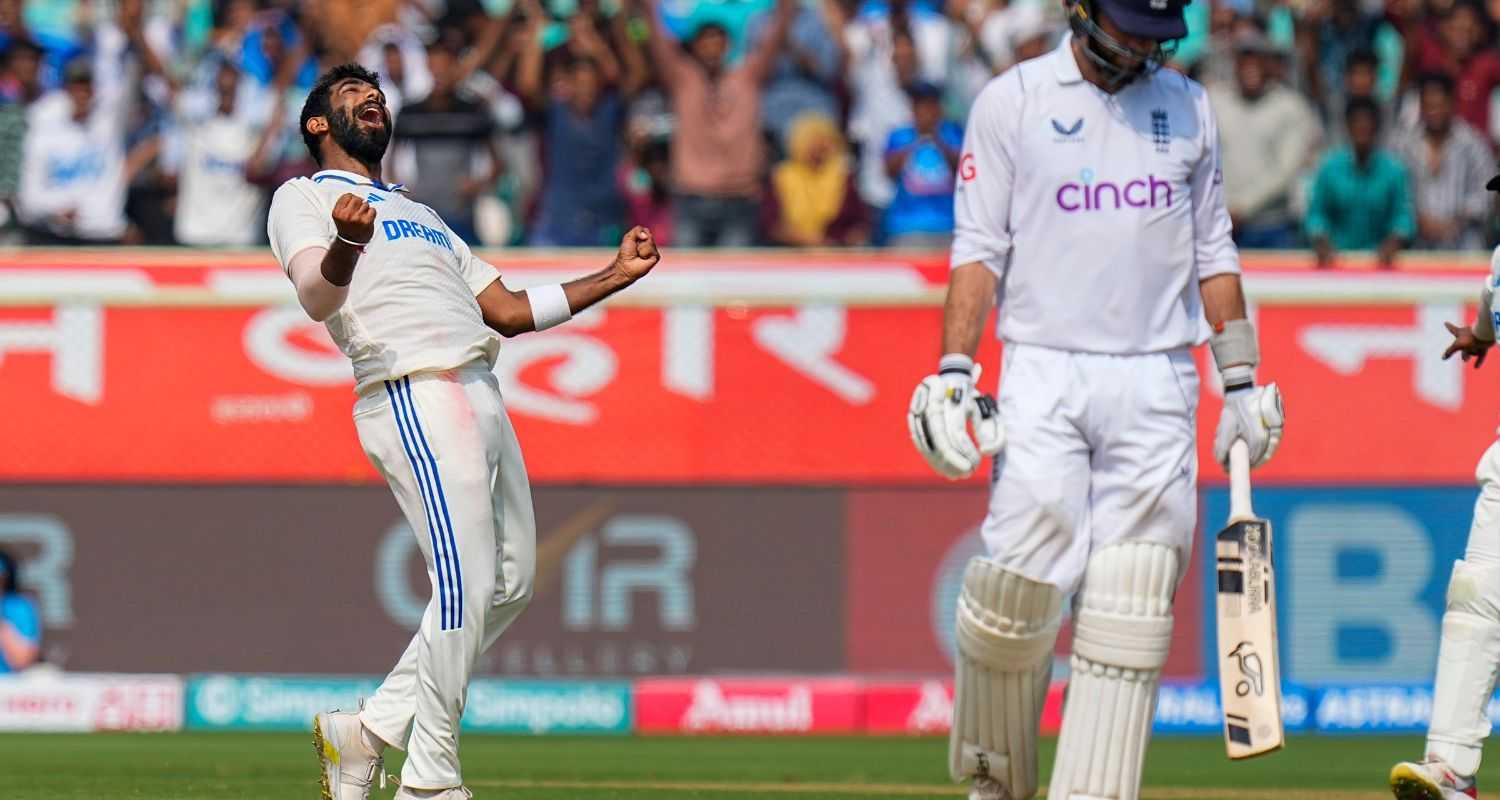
point(638, 253)
point(354, 218)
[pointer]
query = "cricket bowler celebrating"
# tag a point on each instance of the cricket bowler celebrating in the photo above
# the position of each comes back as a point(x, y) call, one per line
point(1469, 651)
point(421, 318)
point(1089, 207)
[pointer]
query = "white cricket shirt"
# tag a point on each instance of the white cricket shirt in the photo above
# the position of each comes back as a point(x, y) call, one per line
point(411, 305)
point(1099, 213)
point(216, 204)
point(68, 166)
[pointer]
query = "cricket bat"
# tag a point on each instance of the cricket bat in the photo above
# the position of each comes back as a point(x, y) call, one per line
point(1249, 669)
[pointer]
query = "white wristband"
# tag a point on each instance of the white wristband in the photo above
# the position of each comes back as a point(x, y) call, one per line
point(549, 306)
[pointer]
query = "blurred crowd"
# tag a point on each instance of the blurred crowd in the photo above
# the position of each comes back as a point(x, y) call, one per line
point(1345, 124)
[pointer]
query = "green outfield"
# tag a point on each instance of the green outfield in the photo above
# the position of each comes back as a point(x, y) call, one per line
point(277, 766)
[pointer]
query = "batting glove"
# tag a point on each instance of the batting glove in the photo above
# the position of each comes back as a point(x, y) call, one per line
point(1252, 413)
point(942, 409)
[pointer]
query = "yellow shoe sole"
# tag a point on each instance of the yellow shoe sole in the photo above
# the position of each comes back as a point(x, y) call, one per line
point(328, 759)
point(1408, 784)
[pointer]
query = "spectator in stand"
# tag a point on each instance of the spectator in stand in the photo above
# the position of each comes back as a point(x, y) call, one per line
point(1330, 31)
point(882, 62)
point(219, 155)
point(1462, 46)
point(1218, 56)
point(1362, 80)
point(1447, 160)
point(20, 71)
point(581, 204)
point(969, 63)
point(76, 169)
point(20, 87)
point(1268, 134)
point(805, 78)
point(813, 201)
point(645, 182)
point(718, 154)
point(231, 23)
point(12, 27)
point(922, 159)
point(1361, 198)
point(446, 150)
point(20, 622)
point(1032, 33)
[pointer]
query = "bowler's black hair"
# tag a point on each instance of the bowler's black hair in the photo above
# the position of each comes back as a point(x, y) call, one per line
point(319, 100)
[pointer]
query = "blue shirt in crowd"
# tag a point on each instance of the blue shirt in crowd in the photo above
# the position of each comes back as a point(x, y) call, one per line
point(581, 203)
point(20, 613)
point(924, 189)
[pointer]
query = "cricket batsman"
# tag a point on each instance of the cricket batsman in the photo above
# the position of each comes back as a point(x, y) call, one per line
point(420, 317)
point(1089, 207)
point(1469, 651)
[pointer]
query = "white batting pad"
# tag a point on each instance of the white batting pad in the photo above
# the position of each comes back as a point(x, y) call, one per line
point(1007, 625)
point(1121, 632)
point(1467, 660)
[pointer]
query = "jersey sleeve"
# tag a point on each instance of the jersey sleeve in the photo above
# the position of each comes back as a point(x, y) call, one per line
point(986, 175)
point(296, 222)
point(477, 272)
point(1213, 244)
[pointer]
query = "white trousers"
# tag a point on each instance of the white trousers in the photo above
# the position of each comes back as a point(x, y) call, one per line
point(1469, 651)
point(1099, 449)
point(446, 446)
point(1484, 534)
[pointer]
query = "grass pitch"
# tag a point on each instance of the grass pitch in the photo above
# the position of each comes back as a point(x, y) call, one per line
point(190, 766)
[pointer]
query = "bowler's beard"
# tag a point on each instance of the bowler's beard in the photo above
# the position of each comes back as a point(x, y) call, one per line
point(366, 146)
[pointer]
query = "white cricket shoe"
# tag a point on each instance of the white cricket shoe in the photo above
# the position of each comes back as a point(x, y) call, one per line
point(348, 765)
point(986, 788)
point(456, 793)
point(1430, 780)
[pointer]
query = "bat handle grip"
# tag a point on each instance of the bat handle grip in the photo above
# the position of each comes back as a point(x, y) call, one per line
point(1239, 481)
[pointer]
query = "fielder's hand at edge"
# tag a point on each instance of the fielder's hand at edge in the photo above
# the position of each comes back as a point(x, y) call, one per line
point(1467, 344)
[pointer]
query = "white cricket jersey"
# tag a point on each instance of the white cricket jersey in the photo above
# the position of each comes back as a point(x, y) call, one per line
point(411, 305)
point(216, 203)
point(68, 166)
point(1099, 213)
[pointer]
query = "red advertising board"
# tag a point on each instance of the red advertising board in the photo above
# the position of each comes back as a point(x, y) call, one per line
point(691, 390)
point(760, 706)
point(909, 707)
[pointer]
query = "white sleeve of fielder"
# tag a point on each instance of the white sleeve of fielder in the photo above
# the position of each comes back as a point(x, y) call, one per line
point(300, 233)
point(1213, 247)
point(986, 170)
